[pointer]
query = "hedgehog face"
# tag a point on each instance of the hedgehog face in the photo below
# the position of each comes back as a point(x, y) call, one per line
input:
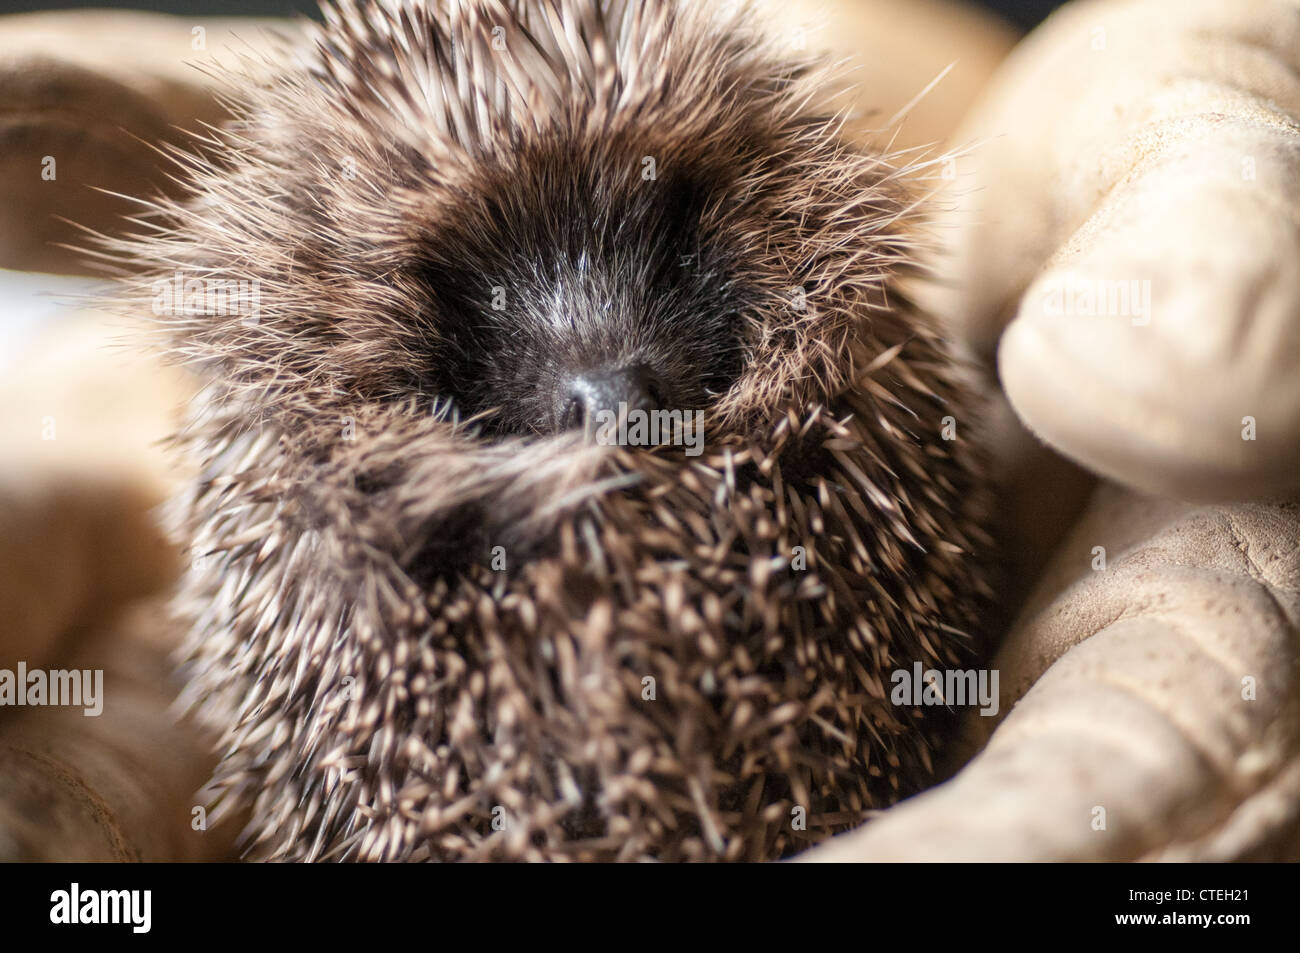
point(565, 290)
point(430, 624)
point(559, 235)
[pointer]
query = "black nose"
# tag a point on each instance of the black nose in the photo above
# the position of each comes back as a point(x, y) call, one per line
point(582, 397)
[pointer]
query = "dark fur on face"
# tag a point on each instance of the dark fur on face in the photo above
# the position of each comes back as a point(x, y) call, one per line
point(569, 263)
point(411, 624)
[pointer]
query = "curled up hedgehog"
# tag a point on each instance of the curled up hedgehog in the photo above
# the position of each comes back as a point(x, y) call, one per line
point(439, 614)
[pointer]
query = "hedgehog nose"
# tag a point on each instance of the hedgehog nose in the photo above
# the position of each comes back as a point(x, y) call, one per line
point(584, 397)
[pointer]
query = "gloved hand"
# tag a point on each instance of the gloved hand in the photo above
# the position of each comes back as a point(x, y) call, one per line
point(1127, 241)
point(1132, 211)
point(87, 96)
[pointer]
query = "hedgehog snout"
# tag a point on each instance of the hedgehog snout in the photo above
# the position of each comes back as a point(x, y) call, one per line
point(584, 399)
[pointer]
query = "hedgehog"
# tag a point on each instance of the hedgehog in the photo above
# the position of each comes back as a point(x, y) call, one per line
point(433, 615)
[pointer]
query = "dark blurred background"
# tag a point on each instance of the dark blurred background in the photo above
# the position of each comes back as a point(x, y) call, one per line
point(1023, 13)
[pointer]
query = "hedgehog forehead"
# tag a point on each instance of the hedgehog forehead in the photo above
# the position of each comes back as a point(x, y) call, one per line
point(569, 209)
point(569, 257)
point(560, 126)
point(468, 79)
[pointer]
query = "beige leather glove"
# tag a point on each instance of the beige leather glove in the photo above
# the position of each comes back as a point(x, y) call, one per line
point(1156, 703)
point(1149, 147)
point(1148, 150)
point(86, 97)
